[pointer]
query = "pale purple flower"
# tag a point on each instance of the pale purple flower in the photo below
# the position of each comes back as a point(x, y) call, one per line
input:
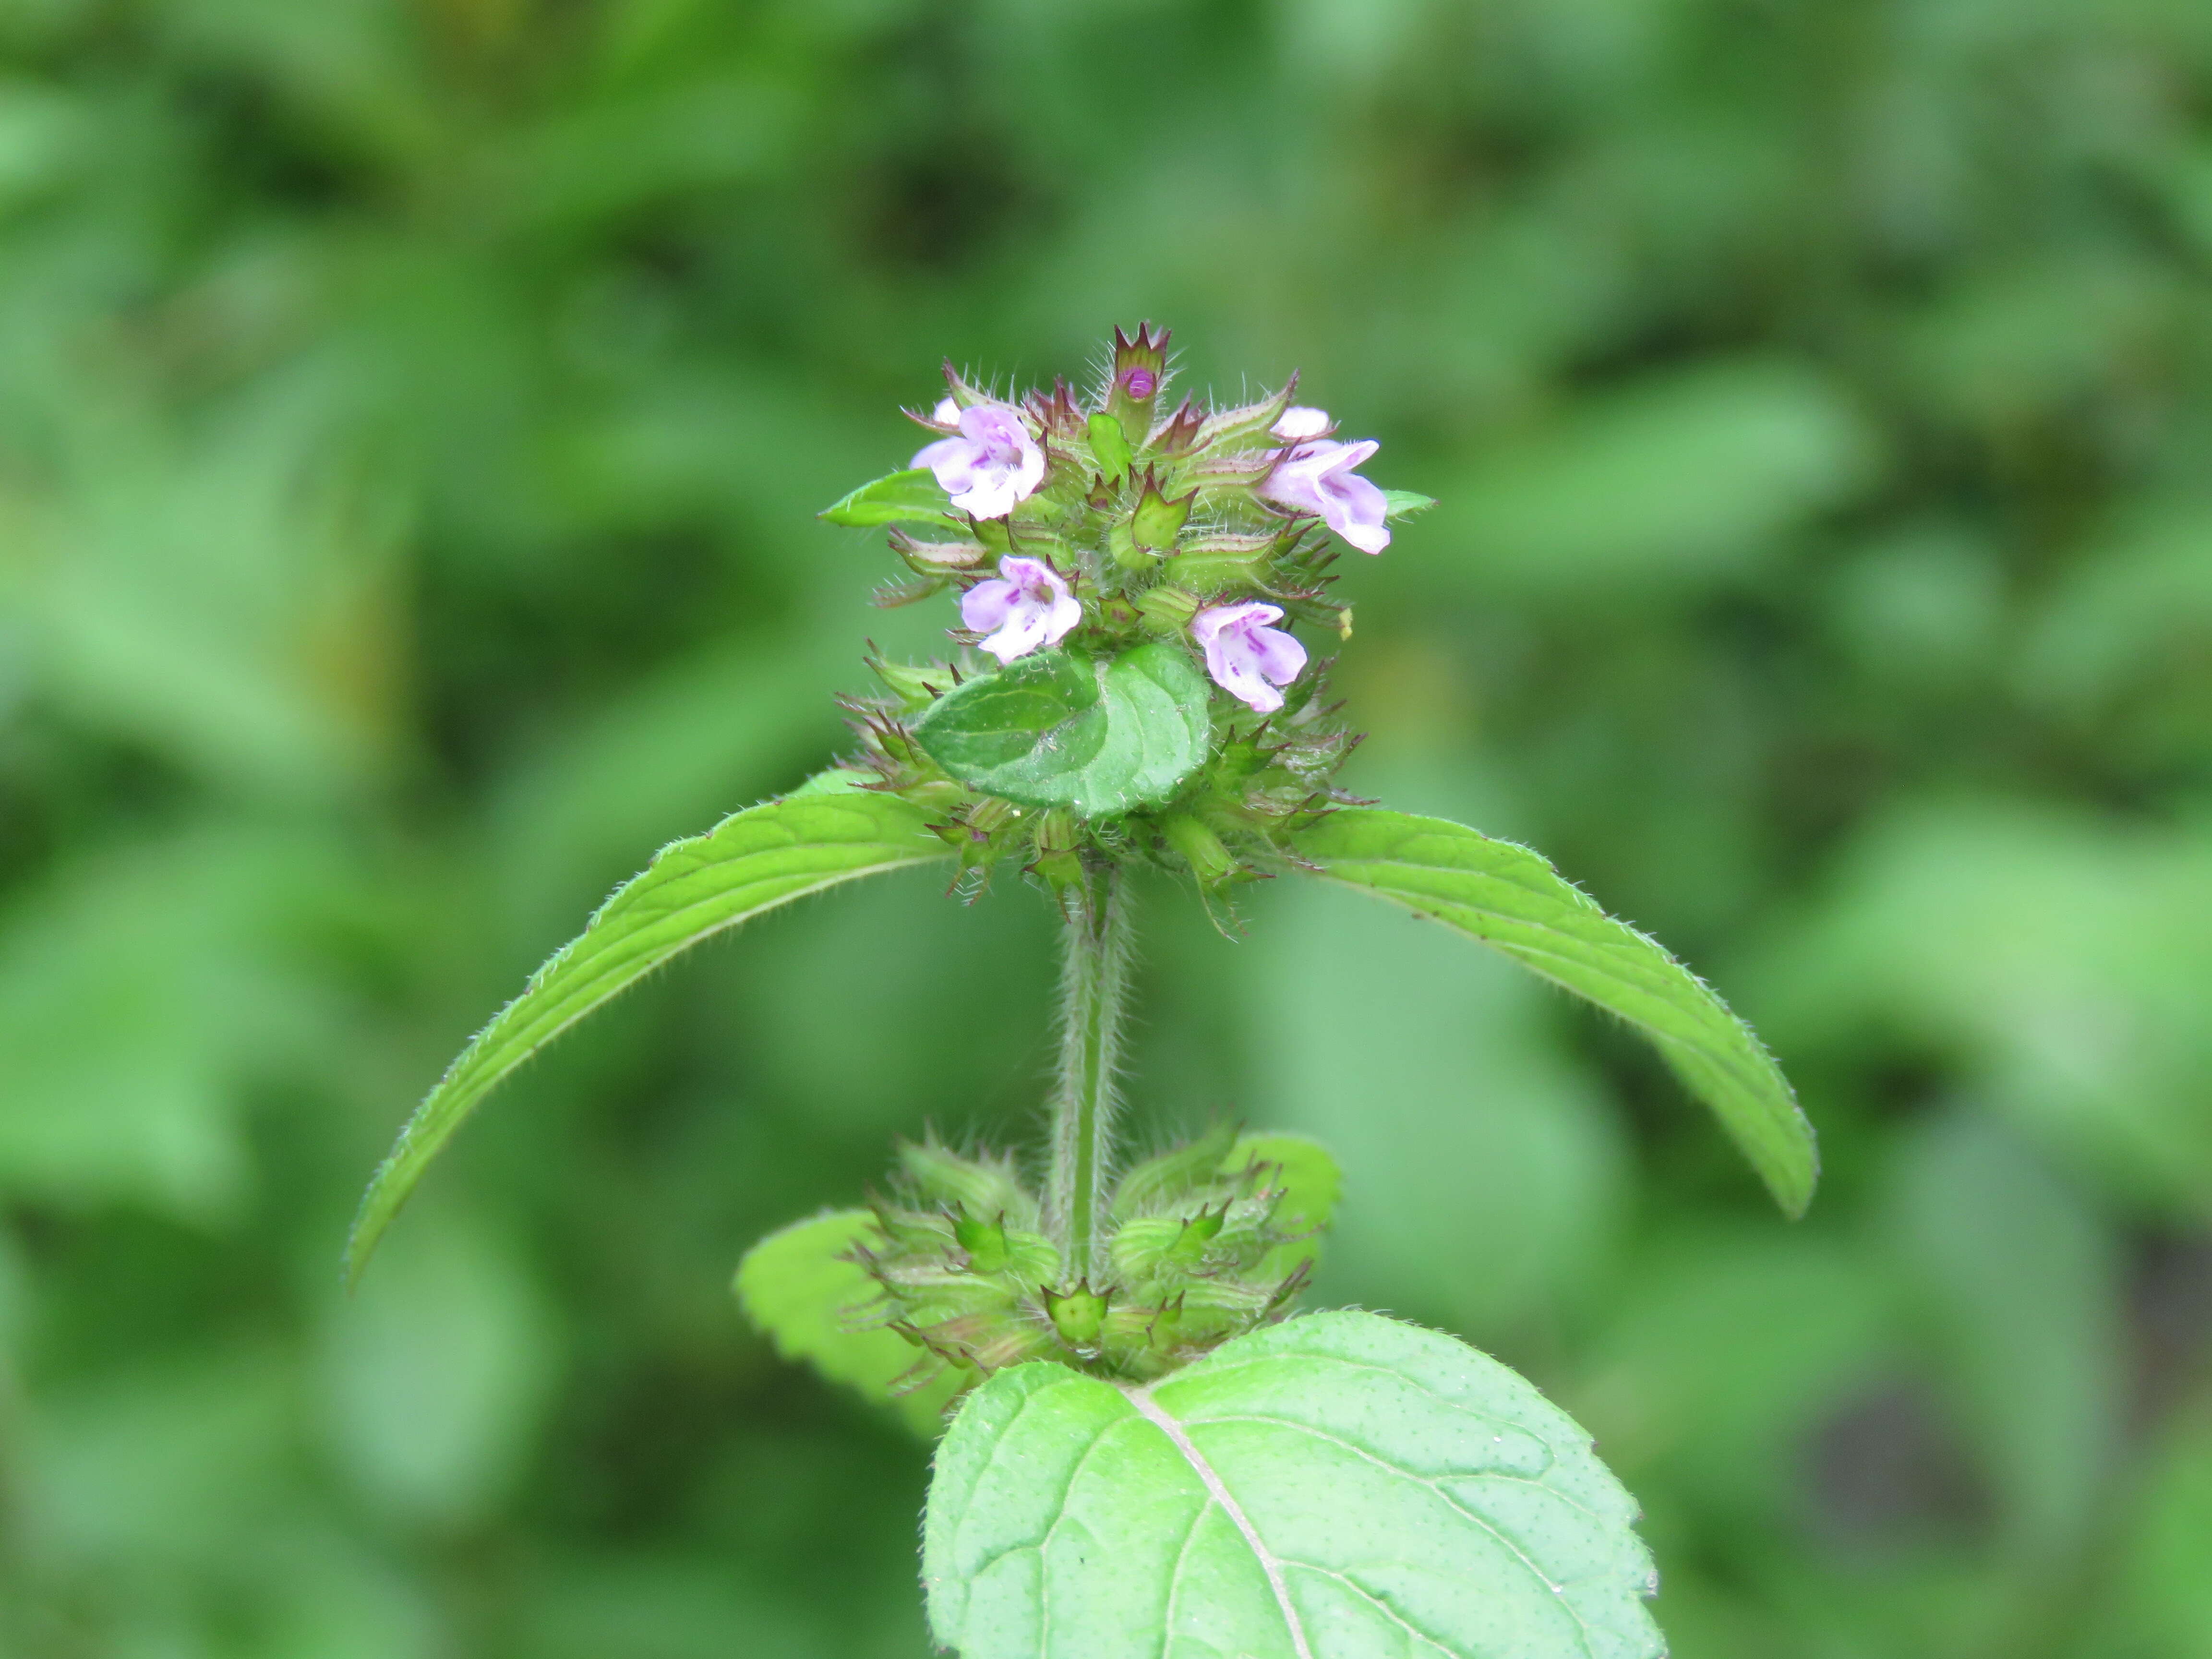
point(1298, 422)
point(1317, 477)
point(993, 464)
point(1026, 605)
point(1248, 659)
point(947, 412)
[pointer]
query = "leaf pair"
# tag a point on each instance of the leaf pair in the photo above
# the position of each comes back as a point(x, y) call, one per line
point(1502, 895)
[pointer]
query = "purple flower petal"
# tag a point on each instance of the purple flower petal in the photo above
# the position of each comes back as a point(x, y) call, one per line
point(987, 605)
point(1028, 604)
point(1317, 477)
point(1246, 658)
point(991, 465)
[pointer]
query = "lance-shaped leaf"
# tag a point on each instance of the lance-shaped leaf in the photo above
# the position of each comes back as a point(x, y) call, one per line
point(1511, 898)
point(751, 862)
point(910, 497)
point(802, 1288)
point(1338, 1486)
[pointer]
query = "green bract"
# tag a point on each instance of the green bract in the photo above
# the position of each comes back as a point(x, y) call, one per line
point(1511, 898)
point(1056, 729)
point(911, 497)
point(1339, 1486)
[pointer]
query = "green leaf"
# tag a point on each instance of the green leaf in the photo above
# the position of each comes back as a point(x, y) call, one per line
point(1336, 1487)
point(912, 497)
point(1511, 898)
point(799, 1289)
point(1307, 1175)
point(1404, 503)
point(751, 862)
point(1054, 729)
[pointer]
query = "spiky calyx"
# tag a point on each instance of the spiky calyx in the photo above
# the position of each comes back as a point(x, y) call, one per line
point(1201, 1243)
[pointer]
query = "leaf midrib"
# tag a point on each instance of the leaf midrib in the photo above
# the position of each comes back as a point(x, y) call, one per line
point(1217, 1492)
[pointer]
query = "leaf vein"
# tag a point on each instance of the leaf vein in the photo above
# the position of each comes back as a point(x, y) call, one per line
point(1158, 1416)
point(1513, 1545)
point(1382, 1604)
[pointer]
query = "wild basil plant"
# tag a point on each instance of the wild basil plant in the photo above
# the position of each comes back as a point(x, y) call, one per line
point(1150, 1452)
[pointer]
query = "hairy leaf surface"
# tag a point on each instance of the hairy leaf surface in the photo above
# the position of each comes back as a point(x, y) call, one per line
point(799, 1286)
point(1054, 729)
point(752, 861)
point(1510, 897)
point(1339, 1486)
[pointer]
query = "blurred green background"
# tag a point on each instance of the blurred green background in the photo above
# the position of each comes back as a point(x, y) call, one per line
point(412, 414)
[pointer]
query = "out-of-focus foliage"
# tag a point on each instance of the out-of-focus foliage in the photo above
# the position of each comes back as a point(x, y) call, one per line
point(412, 414)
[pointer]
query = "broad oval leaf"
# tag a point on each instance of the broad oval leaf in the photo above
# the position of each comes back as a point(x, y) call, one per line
point(1054, 729)
point(910, 497)
point(752, 861)
point(1511, 898)
point(800, 1287)
point(1339, 1486)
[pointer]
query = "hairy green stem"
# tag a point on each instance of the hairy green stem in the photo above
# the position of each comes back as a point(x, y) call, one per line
point(1093, 987)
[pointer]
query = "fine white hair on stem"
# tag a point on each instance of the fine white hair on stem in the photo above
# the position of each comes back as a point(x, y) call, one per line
point(1086, 1096)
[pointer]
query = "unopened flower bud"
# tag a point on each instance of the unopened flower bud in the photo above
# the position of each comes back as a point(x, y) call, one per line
point(1298, 424)
point(1139, 370)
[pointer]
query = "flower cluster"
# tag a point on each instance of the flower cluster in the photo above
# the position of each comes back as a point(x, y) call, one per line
point(993, 461)
point(1103, 530)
